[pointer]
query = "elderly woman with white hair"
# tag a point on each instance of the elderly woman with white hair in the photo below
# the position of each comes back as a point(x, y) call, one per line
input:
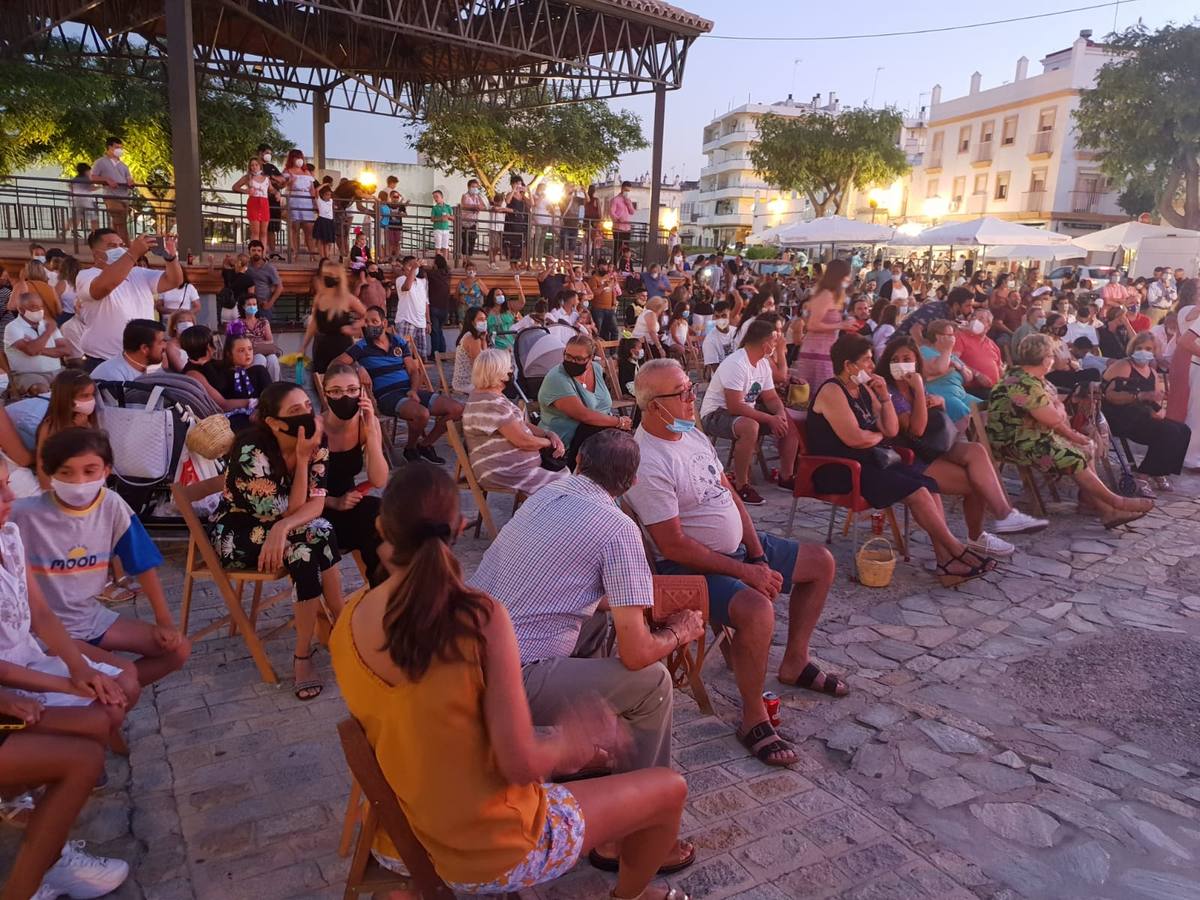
point(650, 325)
point(505, 450)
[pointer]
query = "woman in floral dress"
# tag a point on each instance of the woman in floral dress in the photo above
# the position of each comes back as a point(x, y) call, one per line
point(270, 513)
point(1028, 425)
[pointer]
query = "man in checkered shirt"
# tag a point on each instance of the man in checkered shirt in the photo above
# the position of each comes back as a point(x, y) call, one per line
point(567, 547)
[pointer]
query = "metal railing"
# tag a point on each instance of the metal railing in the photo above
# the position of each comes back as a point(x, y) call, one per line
point(1085, 201)
point(983, 152)
point(1035, 201)
point(1042, 143)
point(48, 209)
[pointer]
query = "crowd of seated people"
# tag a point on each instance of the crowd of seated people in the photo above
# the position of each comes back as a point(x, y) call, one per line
point(536, 673)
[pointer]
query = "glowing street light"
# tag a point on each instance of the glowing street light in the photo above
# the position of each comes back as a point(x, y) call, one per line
point(936, 207)
point(368, 179)
point(554, 192)
point(668, 218)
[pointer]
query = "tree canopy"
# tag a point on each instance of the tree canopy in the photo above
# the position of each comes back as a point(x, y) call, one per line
point(63, 116)
point(824, 155)
point(1144, 119)
point(572, 142)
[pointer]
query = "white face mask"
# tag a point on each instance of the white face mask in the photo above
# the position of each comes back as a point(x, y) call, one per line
point(639, 354)
point(481, 327)
point(183, 326)
point(300, 162)
point(862, 376)
point(587, 303)
point(119, 152)
point(34, 315)
point(85, 407)
point(499, 298)
point(266, 157)
point(722, 324)
point(902, 369)
point(114, 254)
point(77, 495)
point(976, 327)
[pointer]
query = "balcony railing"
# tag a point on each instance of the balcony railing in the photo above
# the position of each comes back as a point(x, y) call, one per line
point(1042, 143)
point(956, 204)
point(977, 203)
point(1035, 201)
point(983, 153)
point(1086, 201)
point(935, 160)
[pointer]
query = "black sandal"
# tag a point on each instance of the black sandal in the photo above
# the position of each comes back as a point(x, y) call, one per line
point(950, 579)
point(612, 864)
point(763, 740)
point(310, 689)
point(808, 677)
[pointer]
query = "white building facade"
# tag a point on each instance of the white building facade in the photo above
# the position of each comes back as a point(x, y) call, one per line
point(1012, 151)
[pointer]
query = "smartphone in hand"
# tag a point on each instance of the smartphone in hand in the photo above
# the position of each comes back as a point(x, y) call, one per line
point(158, 248)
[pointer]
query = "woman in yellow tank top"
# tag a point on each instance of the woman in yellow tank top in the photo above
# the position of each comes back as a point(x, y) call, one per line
point(430, 668)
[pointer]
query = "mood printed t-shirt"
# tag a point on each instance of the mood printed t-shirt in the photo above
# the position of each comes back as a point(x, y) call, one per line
point(736, 374)
point(68, 552)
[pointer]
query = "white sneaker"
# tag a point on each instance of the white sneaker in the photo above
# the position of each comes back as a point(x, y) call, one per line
point(990, 545)
point(82, 876)
point(1016, 521)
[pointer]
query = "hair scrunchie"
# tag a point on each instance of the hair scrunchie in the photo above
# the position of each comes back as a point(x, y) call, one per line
point(426, 531)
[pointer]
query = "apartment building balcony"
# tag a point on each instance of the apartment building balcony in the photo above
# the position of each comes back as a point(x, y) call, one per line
point(730, 192)
point(725, 140)
point(935, 162)
point(1034, 201)
point(977, 204)
point(1086, 201)
point(1042, 145)
point(726, 220)
point(730, 164)
point(955, 205)
point(983, 154)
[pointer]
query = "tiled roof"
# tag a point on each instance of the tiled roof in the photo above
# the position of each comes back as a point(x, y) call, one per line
point(660, 10)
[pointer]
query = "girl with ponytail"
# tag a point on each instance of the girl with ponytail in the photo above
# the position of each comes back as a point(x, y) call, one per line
point(430, 668)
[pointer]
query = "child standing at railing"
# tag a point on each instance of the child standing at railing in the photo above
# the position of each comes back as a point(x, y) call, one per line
point(83, 199)
point(258, 208)
point(323, 231)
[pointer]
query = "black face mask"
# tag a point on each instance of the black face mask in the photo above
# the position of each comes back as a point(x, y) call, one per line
point(293, 424)
point(331, 281)
point(345, 408)
point(372, 332)
point(574, 369)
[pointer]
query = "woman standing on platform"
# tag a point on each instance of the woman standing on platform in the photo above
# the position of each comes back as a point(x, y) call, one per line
point(257, 186)
point(302, 193)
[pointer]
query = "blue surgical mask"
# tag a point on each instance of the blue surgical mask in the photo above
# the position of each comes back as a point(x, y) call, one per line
point(251, 310)
point(681, 426)
point(1142, 357)
point(114, 254)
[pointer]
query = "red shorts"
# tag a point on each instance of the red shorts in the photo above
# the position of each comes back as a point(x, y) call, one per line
point(258, 209)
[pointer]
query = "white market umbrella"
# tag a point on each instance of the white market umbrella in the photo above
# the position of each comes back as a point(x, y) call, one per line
point(1127, 234)
point(984, 232)
point(833, 230)
point(1057, 251)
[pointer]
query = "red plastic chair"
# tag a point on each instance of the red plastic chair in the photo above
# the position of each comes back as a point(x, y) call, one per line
point(852, 501)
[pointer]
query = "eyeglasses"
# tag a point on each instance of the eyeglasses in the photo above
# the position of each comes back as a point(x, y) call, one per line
point(339, 393)
point(688, 393)
point(583, 361)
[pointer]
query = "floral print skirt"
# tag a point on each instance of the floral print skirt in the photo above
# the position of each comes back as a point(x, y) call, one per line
point(311, 549)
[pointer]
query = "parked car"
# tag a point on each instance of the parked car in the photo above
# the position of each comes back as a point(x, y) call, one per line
point(772, 266)
point(1097, 274)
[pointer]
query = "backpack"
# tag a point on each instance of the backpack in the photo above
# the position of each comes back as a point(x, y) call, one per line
point(226, 298)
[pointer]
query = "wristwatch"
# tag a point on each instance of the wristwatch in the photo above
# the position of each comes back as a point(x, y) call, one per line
point(171, 258)
point(755, 560)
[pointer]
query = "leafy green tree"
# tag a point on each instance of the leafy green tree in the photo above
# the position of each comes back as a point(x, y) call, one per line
point(824, 156)
point(1142, 117)
point(62, 116)
point(573, 142)
point(1137, 198)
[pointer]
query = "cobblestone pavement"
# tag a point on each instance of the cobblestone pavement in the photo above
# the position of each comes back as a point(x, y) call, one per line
point(1031, 734)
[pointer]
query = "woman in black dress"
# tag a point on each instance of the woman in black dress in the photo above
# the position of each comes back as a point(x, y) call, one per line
point(336, 320)
point(1135, 406)
point(852, 416)
point(270, 513)
point(516, 221)
point(354, 438)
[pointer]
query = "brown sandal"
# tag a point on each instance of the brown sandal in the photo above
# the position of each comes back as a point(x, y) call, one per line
point(763, 741)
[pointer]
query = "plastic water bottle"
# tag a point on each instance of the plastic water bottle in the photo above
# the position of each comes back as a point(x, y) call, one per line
point(300, 371)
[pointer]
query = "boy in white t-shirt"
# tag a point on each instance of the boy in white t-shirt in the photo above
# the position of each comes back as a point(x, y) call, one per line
point(718, 343)
point(741, 400)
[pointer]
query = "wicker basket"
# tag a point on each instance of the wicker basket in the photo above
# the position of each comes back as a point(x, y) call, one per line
point(876, 562)
point(211, 437)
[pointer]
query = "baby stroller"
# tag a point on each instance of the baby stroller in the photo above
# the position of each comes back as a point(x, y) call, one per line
point(535, 352)
point(147, 421)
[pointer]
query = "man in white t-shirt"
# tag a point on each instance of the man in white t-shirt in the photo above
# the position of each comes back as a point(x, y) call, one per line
point(699, 526)
point(33, 346)
point(741, 400)
point(718, 343)
point(117, 290)
point(412, 306)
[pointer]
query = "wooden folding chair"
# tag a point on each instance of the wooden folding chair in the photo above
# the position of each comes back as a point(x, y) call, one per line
point(423, 381)
point(467, 475)
point(614, 384)
point(230, 582)
point(440, 361)
point(383, 810)
point(977, 431)
point(671, 594)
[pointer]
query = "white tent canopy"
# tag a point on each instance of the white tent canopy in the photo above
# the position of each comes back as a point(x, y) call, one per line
point(1127, 234)
point(1056, 251)
point(985, 232)
point(833, 230)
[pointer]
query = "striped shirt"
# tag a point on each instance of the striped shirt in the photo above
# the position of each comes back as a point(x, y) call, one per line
point(497, 463)
point(567, 546)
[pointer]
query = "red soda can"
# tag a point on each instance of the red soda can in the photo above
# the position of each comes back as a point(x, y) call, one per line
point(771, 702)
point(191, 258)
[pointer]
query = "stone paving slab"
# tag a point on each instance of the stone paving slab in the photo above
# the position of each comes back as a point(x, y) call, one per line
point(956, 768)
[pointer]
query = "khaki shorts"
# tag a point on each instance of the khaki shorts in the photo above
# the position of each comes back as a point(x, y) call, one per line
point(719, 424)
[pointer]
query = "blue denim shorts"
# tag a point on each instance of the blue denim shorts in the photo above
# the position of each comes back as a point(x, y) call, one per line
point(781, 556)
